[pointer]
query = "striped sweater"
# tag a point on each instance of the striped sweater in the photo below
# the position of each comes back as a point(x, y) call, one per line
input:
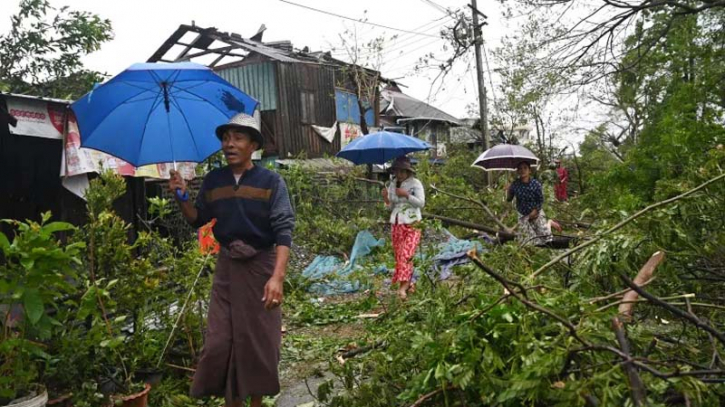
point(256, 210)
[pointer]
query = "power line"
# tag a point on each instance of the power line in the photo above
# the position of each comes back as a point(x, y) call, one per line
point(403, 41)
point(398, 52)
point(399, 47)
point(408, 43)
point(395, 46)
point(426, 28)
point(400, 56)
point(356, 20)
point(435, 5)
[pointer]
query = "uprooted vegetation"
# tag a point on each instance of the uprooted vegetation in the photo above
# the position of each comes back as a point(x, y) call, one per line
point(536, 326)
point(516, 325)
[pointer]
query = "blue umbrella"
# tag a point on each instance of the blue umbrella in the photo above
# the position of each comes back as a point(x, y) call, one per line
point(381, 147)
point(159, 112)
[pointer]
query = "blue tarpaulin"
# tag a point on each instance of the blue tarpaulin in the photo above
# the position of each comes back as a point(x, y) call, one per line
point(331, 274)
point(454, 252)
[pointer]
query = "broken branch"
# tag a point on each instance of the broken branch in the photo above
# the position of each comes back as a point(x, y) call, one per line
point(645, 274)
point(485, 207)
point(503, 236)
point(617, 294)
point(674, 310)
point(425, 397)
point(639, 396)
point(621, 224)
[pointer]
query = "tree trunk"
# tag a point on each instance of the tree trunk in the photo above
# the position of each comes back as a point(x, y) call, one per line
point(358, 93)
point(502, 236)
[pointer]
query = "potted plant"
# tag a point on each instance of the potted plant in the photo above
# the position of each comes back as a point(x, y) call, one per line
point(37, 271)
point(114, 298)
point(136, 395)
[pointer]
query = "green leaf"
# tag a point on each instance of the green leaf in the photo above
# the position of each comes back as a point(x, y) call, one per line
point(4, 243)
point(27, 263)
point(440, 371)
point(33, 305)
point(113, 342)
point(57, 227)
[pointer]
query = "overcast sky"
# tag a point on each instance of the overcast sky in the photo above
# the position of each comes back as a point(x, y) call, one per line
point(141, 26)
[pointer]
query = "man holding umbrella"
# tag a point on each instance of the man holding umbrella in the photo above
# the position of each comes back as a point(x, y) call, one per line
point(254, 226)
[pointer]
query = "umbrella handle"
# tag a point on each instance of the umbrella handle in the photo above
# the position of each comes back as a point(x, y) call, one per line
point(182, 197)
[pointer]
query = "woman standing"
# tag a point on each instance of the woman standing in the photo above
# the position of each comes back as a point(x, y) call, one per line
point(405, 196)
point(533, 227)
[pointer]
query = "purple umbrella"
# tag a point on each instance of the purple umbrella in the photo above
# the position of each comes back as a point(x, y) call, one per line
point(505, 157)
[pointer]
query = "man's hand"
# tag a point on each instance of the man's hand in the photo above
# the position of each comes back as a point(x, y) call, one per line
point(176, 182)
point(533, 215)
point(401, 193)
point(273, 292)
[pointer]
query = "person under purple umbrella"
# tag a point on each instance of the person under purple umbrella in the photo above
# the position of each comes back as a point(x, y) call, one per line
point(534, 229)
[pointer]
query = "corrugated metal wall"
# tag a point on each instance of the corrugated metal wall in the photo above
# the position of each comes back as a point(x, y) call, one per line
point(279, 87)
point(257, 80)
point(299, 137)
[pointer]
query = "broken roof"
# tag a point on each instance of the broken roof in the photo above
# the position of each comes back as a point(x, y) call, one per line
point(230, 49)
point(406, 108)
point(229, 46)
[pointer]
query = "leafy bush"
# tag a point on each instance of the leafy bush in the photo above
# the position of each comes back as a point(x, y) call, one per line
point(37, 272)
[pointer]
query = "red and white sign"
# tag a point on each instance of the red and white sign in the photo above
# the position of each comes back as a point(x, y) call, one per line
point(348, 133)
point(79, 160)
point(37, 118)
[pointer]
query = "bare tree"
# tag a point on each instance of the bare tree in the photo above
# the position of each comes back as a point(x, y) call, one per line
point(363, 72)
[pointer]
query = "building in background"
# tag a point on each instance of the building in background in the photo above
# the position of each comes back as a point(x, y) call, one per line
point(404, 113)
point(308, 100)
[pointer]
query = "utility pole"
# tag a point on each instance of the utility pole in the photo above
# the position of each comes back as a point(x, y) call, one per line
point(482, 103)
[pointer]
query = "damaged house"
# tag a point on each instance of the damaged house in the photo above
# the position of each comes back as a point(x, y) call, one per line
point(310, 102)
point(406, 114)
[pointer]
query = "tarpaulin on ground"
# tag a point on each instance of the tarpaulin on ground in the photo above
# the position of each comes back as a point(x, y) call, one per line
point(331, 275)
point(450, 253)
point(454, 252)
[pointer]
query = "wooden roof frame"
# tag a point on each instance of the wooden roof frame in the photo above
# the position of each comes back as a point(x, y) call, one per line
point(236, 46)
point(239, 47)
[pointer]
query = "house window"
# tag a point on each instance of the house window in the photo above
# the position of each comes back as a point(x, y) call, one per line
point(307, 100)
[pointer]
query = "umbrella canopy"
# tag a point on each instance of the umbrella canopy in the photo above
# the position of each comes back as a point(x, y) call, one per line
point(381, 147)
point(505, 157)
point(159, 112)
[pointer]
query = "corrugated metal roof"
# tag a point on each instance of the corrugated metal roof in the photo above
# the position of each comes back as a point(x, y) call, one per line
point(399, 104)
point(257, 80)
point(260, 48)
point(465, 134)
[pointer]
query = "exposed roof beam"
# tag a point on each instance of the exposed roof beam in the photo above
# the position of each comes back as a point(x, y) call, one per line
point(222, 51)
